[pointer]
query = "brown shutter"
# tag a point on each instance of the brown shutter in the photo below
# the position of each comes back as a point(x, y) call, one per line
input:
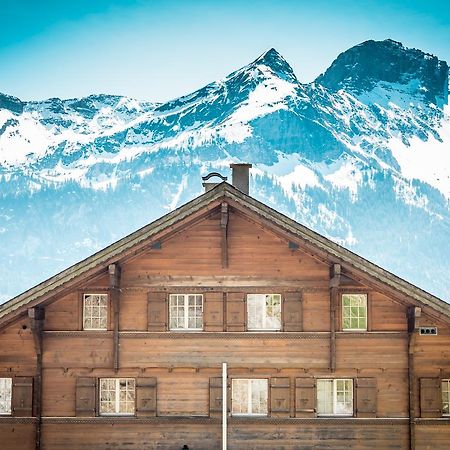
point(213, 311)
point(292, 311)
point(146, 396)
point(85, 396)
point(22, 396)
point(305, 397)
point(157, 311)
point(215, 397)
point(235, 311)
point(430, 397)
point(366, 397)
point(280, 395)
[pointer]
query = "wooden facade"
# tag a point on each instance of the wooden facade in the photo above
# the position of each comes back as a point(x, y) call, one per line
point(224, 246)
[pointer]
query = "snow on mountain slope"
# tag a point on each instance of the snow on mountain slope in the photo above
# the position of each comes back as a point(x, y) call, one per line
point(362, 149)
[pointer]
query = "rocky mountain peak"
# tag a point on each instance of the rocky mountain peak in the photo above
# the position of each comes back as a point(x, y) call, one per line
point(359, 69)
point(272, 59)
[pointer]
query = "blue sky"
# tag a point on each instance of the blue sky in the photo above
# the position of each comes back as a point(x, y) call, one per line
point(157, 50)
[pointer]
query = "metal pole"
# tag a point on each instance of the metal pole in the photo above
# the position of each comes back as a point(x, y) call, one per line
point(224, 406)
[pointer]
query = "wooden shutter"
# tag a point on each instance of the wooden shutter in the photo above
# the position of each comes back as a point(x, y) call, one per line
point(213, 311)
point(146, 396)
point(85, 396)
point(235, 311)
point(430, 397)
point(366, 397)
point(22, 396)
point(305, 397)
point(292, 311)
point(215, 397)
point(157, 311)
point(280, 396)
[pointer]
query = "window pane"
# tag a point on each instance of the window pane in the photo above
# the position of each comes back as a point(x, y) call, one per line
point(344, 397)
point(239, 396)
point(446, 397)
point(255, 311)
point(354, 312)
point(117, 396)
point(107, 396)
point(5, 395)
point(264, 311)
point(186, 311)
point(324, 397)
point(259, 396)
point(95, 311)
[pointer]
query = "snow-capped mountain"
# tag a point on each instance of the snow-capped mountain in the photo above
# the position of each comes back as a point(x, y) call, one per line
point(361, 155)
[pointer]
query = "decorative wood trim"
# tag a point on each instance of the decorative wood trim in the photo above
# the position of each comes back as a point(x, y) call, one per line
point(114, 289)
point(232, 420)
point(436, 421)
point(372, 334)
point(224, 233)
point(14, 420)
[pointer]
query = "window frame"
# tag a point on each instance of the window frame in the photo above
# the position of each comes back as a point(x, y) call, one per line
point(249, 398)
point(334, 397)
point(186, 311)
point(117, 411)
point(264, 295)
point(447, 393)
point(353, 330)
point(107, 307)
point(8, 401)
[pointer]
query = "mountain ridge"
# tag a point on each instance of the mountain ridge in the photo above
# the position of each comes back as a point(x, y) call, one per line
point(322, 155)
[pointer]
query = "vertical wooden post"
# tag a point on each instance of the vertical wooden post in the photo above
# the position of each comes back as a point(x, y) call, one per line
point(114, 289)
point(37, 316)
point(335, 280)
point(224, 228)
point(413, 316)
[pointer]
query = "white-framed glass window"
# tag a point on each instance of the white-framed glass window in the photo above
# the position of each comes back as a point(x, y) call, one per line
point(95, 311)
point(249, 396)
point(335, 397)
point(186, 311)
point(117, 396)
point(5, 395)
point(354, 312)
point(263, 312)
point(445, 397)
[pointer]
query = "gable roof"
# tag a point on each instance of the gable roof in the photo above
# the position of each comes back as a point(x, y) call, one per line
point(228, 193)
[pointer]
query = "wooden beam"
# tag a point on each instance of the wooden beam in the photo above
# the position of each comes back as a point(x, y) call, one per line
point(114, 289)
point(335, 281)
point(224, 217)
point(413, 315)
point(37, 316)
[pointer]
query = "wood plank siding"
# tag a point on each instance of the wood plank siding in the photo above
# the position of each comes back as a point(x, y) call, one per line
point(395, 372)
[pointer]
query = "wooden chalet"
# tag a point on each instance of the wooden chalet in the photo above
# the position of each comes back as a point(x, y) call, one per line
point(224, 324)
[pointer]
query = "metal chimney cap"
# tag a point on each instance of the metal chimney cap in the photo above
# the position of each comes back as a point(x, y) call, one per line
point(237, 165)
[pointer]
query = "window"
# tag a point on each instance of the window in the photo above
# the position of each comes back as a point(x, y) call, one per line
point(335, 397)
point(186, 312)
point(95, 311)
point(5, 395)
point(249, 397)
point(354, 312)
point(446, 397)
point(117, 396)
point(264, 311)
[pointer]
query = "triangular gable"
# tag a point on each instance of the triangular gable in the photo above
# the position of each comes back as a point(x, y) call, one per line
point(326, 249)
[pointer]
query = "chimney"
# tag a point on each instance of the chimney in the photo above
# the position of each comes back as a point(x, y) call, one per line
point(209, 186)
point(240, 176)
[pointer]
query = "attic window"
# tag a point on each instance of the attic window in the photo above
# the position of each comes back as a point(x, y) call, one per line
point(95, 311)
point(186, 312)
point(430, 331)
point(264, 312)
point(354, 312)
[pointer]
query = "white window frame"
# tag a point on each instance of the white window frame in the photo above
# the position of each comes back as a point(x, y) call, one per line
point(105, 307)
point(186, 312)
point(250, 407)
point(334, 382)
point(445, 388)
point(5, 396)
point(117, 402)
point(344, 308)
point(265, 319)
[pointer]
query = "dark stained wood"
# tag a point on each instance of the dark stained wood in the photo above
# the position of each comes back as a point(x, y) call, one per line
point(235, 311)
point(305, 397)
point(430, 397)
point(215, 397)
point(86, 396)
point(114, 289)
point(280, 397)
point(22, 400)
point(213, 311)
point(146, 396)
point(366, 397)
point(292, 311)
point(224, 234)
point(157, 311)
